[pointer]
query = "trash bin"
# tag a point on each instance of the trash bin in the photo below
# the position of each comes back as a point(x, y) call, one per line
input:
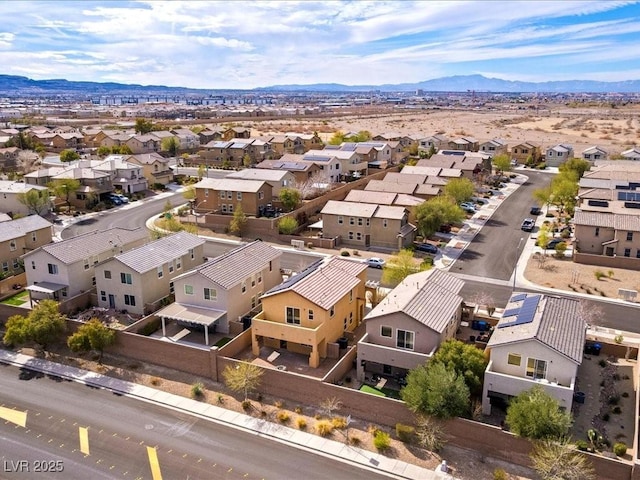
point(343, 343)
point(579, 397)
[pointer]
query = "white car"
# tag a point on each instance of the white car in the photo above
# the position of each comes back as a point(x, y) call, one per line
point(122, 198)
point(375, 262)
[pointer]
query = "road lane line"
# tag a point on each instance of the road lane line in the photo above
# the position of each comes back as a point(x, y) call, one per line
point(14, 416)
point(84, 440)
point(153, 463)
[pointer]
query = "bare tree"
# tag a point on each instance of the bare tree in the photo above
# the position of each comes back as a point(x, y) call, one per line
point(330, 405)
point(559, 460)
point(589, 312)
point(315, 185)
point(486, 300)
point(28, 161)
point(430, 434)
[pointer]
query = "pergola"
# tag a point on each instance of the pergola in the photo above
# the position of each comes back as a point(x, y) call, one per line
point(189, 314)
point(44, 290)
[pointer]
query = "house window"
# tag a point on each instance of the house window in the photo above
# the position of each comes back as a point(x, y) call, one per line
point(350, 296)
point(160, 271)
point(244, 286)
point(206, 192)
point(53, 268)
point(293, 315)
point(368, 222)
point(171, 288)
point(253, 280)
point(16, 263)
point(253, 302)
point(33, 236)
point(65, 291)
point(344, 323)
point(638, 253)
point(86, 264)
point(332, 311)
point(239, 195)
point(5, 267)
point(210, 294)
point(360, 222)
point(12, 245)
point(224, 208)
point(384, 223)
point(107, 274)
point(350, 235)
point(126, 278)
point(340, 220)
point(178, 263)
point(629, 236)
point(514, 359)
point(33, 265)
point(192, 253)
point(405, 339)
point(103, 295)
point(231, 208)
point(358, 236)
point(130, 300)
point(386, 331)
point(223, 194)
point(536, 368)
point(259, 277)
point(597, 231)
point(171, 267)
point(188, 289)
point(350, 318)
point(627, 252)
point(310, 315)
point(260, 195)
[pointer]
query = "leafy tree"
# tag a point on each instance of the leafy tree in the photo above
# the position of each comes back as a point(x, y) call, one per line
point(290, 198)
point(103, 151)
point(460, 189)
point(466, 360)
point(564, 190)
point(244, 378)
point(201, 171)
point(544, 237)
point(502, 163)
point(143, 126)
point(238, 221)
point(287, 225)
point(43, 325)
point(123, 149)
point(361, 136)
point(93, 335)
point(432, 151)
point(577, 166)
point(37, 201)
point(537, 415)
point(544, 196)
point(69, 155)
point(63, 188)
point(189, 193)
point(337, 138)
point(558, 460)
point(399, 266)
point(246, 160)
point(437, 391)
point(435, 212)
point(170, 145)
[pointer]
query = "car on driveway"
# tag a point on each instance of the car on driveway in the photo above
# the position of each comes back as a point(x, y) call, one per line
point(114, 199)
point(468, 207)
point(528, 224)
point(427, 248)
point(122, 198)
point(554, 242)
point(375, 262)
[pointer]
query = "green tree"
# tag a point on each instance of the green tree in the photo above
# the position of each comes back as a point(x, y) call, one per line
point(337, 138)
point(246, 160)
point(238, 221)
point(400, 265)
point(290, 198)
point(201, 171)
point(577, 166)
point(143, 126)
point(502, 163)
point(36, 201)
point(93, 335)
point(564, 193)
point(544, 237)
point(558, 460)
point(69, 155)
point(544, 196)
point(103, 151)
point(361, 136)
point(63, 188)
point(43, 326)
point(437, 391)
point(435, 212)
point(123, 149)
point(287, 225)
point(244, 378)
point(170, 145)
point(466, 360)
point(460, 189)
point(189, 193)
point(537, 415)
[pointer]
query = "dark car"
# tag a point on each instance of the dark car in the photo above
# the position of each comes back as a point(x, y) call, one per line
point(427, 248)
point(535, 211)
point(528, 224)
point(553, 243)
point(445, 228)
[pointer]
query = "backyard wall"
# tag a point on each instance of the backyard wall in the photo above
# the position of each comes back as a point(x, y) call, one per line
point(6, 285)
point(628, 263)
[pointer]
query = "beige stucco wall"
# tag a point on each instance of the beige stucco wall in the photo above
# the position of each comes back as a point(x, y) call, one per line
point(588, 242)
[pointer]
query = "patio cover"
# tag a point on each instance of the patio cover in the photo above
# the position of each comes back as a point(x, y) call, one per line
point(46, 287)
point(189, 313)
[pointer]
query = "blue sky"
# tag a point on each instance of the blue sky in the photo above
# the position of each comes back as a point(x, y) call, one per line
point(203, 44)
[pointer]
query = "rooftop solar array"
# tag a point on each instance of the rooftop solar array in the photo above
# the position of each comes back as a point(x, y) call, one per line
point(524, 314)
point(317, 158)
point(629, 196)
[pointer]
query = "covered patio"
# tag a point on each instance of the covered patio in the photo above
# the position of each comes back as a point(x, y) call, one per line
point(45, 291)
point(190, 316)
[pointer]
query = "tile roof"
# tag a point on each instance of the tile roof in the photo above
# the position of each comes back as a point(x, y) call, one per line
point(390, 212)
point(154, 254)
point(231, 184)
point(93, 243)
point(367, 196)
point(21, 226)
point(259, 174)
point(384, 186)
point(431, 298)
point(336, 207)
point(236, 265)
point(400, 177)
point(607, 220)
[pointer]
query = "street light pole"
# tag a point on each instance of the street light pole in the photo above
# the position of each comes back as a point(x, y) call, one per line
point(515, 267)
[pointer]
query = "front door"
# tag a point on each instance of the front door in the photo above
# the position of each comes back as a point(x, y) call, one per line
point(112, 301)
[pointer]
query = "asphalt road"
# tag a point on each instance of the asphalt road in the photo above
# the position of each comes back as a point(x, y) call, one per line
point(119, 431)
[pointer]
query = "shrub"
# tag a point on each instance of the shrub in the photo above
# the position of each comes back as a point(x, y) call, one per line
point(614, 399)
point(354, 440)
point(610, 274)
point(582, 445)
point(301, 423)
point(382, 441)
point(565, 234)
point(625, 394)
point(617, 410)
point(339, 422)
point(324, 428)
point(197, 390)
point(345, 253)
point(602, 363)
point(283, 416)
point(618, 339)
point(298, 410)
point(246, 405)
point(287, 225)
point(404, 432)
point(606, 417)
point(620, 449)
point(499, 474)
point(220, 399)
point(599, 274)
point(279, 403)
point(155, 381)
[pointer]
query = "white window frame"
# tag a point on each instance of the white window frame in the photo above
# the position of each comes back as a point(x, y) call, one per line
point(210, 294)
point(188, 289)
point(533, 367)
point(160, 271)
point(382, 331)
point(290, 315)
point(405, 339)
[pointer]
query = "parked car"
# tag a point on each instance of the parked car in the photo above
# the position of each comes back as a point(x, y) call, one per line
point(122, 198)
point(528, 224)
point(427, 248)
point(554, 242)
point(468, 207)
point(114, 199)
point(375, 262)
point(535, 210)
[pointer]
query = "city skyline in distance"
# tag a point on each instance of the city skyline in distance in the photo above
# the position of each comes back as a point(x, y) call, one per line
point(238, 45)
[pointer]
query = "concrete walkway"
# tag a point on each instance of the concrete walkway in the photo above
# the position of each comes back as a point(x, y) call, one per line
point(295, 438)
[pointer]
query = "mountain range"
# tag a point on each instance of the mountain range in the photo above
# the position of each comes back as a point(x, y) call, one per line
point(12, 85)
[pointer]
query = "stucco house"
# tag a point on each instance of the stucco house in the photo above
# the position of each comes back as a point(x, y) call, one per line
point(433, 143)
point(20, 236)
point(155, 167)
point(522, 152)
point(218, 294)
point(11, 192)
point(406, 328)
point(493, 147)
point(631, 154)
point(278, 179)
point(310, 311)
point(538, 341)
point(558, 154)
point(468, 144)
point(594, 153)
point(224, 195)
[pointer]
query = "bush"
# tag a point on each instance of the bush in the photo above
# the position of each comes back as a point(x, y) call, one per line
point(606, 417)
point(617, 410)
point(602, 363)
point(287, 225)
point(625, 394)
point(220, 399)
point(339, 422)
point(197, 390)
point(620, 449)
point(382, 441)
point(345, 253)
point(301, 423)
point(298, 410)
point(324, 428)
point(279, 403)
point(404, 432)
point(155, 381)
point(499, 474)
point(150, 327)
point(582, 445)
point(354, 440)
point(246, 405)
point(283, 416)
point(599, 274)
point(614, 399)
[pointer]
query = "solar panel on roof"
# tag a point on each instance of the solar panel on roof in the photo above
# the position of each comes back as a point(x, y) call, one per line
point(525, 314)
point(511, 312)
point(519, 297)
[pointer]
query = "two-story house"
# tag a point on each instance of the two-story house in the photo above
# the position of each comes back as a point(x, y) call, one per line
point(538, 341)
point(433, 143)
point(406, 328)
point(62, 270)
point(594, 153)
point(558, 154)
point(143, 144)
point(125, 176)
point(20, 236)
point(302, 171)
point(224, 195)
point(9, 158)
point(468, 144)
point(155, 167)
point(278, 179)
point(493, 147)
point(526, 151)
point(631, 154)
point(219, 293)
point(137, 280)
point(312, 309)
point(12, 195)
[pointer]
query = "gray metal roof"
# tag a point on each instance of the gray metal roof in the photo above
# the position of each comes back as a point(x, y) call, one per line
point(154, 254)
point(21, 226)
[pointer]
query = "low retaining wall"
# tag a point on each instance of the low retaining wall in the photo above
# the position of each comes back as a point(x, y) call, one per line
point(628, 263)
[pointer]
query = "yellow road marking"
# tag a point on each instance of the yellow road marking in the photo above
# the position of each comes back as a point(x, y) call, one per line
point(84, 440)
point(153, 463)
point(14, 416)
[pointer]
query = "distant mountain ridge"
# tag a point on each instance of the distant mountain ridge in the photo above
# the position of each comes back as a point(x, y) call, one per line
point(17, 85)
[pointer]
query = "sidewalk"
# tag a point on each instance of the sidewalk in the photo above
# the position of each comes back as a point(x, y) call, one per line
point(295, 438)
